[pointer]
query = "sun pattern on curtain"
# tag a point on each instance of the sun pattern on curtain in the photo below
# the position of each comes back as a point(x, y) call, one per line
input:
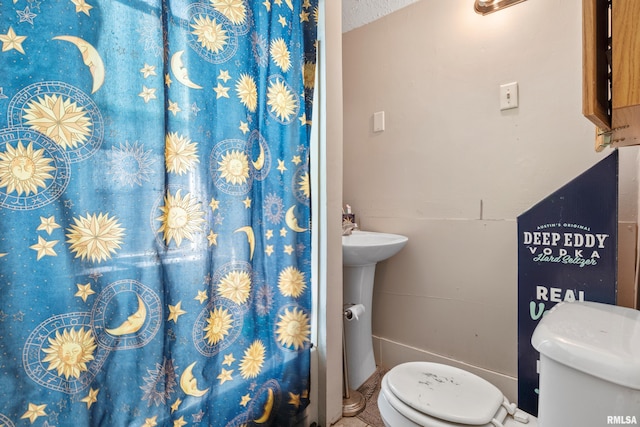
point(155, 212)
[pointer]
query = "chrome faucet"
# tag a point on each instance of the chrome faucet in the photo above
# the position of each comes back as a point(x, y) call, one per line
point(348, 227)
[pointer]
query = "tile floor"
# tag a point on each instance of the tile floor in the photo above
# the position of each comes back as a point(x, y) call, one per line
point(351, 422)
point(357, 422)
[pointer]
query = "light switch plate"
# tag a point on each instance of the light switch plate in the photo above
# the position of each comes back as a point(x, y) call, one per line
point(378, 121)
point(509, 96)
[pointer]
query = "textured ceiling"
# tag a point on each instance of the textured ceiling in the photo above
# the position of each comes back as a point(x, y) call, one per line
point(356, 13)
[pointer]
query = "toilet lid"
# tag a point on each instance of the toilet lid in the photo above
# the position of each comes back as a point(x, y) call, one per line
point(445, 392)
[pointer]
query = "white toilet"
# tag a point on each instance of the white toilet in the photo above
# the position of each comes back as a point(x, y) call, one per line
point(589, 370)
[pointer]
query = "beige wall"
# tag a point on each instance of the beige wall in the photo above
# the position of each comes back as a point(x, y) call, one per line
point(453, 172)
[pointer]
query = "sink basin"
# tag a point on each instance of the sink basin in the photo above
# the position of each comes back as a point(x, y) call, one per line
point(370, 247)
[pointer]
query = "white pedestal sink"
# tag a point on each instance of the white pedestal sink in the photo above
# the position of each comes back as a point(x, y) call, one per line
point(360, 253)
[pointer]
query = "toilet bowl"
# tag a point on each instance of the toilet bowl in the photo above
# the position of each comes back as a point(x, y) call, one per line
point(435, 395)
point(589, 375)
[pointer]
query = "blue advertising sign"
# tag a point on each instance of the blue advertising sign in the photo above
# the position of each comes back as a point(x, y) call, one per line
point(567, 251)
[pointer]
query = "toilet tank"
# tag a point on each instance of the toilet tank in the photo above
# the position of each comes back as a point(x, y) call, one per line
point(589, 365)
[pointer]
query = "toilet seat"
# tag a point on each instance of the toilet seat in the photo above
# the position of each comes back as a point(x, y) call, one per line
point(437, 395)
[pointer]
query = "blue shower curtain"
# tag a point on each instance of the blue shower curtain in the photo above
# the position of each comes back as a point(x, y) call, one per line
point(155, 212)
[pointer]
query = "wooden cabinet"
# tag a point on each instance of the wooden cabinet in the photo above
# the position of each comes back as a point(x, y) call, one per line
point(611, 70)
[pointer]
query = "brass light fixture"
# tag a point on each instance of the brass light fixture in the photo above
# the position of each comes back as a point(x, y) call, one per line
point(484, 7)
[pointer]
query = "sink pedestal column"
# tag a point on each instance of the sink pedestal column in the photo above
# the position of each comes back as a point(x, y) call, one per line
point(358, 289)
point(361, 251)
